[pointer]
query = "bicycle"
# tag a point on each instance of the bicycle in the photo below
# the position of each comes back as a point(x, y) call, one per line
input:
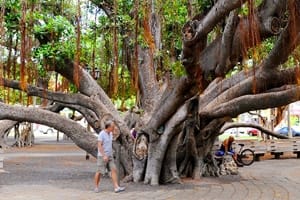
point(244, 156)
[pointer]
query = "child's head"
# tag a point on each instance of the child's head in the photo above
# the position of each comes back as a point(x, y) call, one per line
point(231, 138)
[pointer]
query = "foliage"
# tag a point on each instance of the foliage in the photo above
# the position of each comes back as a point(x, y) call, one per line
point(294, 59)
point(12, 16)
point(52, 8)
point(173, 15)
point(54, 28)
point(244, 10)
point(204, 4)
point(73, 88)
point(127, 104)
point(57, 37)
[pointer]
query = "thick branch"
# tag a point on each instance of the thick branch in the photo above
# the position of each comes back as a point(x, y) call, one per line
point(266, 131)
point(61, 97)
point(82, 138)
point(271, 14)
point(72, 99)
point(254, 102)
point(5, 125)
point(261, 81)
point(91, 103)
point(55, 107)
point(169, 103)
point(214, 91)
point(89, 106)
point(216, 14)
point(226, 43)
point(147, 81)
point(210, 131)
point(157, 154)
point(289, 39)
point(88, 86)
point(210, 61)
point(89, 115)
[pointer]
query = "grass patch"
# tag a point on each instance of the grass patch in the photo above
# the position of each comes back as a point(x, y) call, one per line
point(240, 137)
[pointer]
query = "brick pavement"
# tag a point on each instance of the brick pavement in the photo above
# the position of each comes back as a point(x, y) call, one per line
point(268, 179)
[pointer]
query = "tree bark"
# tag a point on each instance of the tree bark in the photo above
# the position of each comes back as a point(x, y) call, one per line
point(72, 129)
point(157, 149)
point(249, 102)
point(5, 126)
point(147, 81)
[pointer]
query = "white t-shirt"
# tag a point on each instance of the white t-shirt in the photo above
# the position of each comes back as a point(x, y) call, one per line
point(106, 139)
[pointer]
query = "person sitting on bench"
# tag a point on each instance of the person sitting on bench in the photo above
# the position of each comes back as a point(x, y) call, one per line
point(226, 147)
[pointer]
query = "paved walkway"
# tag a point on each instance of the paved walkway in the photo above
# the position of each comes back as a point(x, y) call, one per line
point(69, 176)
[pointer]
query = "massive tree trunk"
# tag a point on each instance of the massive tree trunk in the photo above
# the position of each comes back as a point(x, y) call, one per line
point(220, 99)
point(180, 124)
point(5, 126)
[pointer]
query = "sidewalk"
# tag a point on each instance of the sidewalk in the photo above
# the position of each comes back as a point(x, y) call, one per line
point(70, 177)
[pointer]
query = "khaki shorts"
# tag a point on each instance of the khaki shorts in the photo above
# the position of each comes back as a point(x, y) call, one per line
point(102, 166)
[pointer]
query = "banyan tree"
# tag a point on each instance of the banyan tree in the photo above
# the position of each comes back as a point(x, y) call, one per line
point(179, 116)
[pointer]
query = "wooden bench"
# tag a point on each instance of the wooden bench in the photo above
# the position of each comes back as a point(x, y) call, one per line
point(259, 148)
point(296, 147)
point(278, 147)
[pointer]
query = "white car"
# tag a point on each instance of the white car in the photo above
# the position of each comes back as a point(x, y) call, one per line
point(241, 131)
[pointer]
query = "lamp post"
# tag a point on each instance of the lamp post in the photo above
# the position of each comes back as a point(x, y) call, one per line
point(95, 73)
point(289, 122)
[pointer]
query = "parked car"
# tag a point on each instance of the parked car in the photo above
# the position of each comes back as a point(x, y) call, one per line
point(248, 130)
point(231, 131)
point(284, 131)
point(242, 131)
point(42, 129)
point(252, 131)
